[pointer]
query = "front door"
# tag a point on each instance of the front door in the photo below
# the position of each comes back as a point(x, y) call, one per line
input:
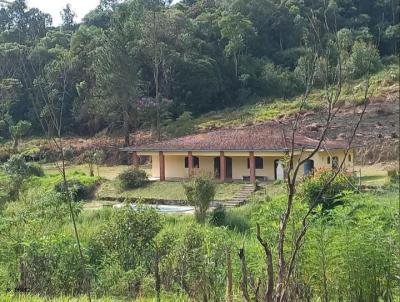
point(228, 168)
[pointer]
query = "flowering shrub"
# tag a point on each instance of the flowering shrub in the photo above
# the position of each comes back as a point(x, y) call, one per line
point(316, 189)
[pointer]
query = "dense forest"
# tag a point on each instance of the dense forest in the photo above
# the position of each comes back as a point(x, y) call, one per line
point(140, 64)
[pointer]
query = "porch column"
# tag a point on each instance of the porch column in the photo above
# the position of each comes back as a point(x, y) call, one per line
point(252, 168)
point(190, 163)
point(162, 165)
point(222, 166)
point(135, 159)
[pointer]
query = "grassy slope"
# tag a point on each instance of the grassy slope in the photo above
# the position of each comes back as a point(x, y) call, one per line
point(380, 83)
point(164, 190)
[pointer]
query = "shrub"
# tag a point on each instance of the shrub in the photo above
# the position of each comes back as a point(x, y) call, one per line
point(364, 59)
point(35, 169)
point(16, 165)
point(54, 267)
point(200, 192)
point(196, 259)
point(132, 178)
point(78, 190)
point(218, 216)
point(129, 236)
point(394, 176)
point(18, 170)
point(312, 185)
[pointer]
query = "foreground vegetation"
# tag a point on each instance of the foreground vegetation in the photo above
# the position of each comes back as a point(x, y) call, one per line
point(357, 241)
point(350, 253)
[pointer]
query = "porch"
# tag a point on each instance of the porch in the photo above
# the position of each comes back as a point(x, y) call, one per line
point(226, 166)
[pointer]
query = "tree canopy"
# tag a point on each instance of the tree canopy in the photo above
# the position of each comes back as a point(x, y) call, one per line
point(126, 57)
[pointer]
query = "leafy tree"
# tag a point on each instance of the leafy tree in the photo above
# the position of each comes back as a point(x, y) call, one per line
point(117, 83)
point(68, 16)
point(235, 28)
point(19, 130)
point(200, 192)
point(364, 59)
point(183, 125)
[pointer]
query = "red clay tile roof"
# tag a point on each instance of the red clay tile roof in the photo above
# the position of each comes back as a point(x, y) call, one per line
point(266, 137)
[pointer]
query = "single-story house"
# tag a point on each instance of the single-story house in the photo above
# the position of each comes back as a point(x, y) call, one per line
point(249, 153)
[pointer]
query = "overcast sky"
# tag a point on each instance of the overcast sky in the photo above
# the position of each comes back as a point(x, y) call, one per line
point(54, 7)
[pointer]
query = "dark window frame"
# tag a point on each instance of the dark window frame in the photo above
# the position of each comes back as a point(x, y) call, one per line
point(328, 160)
point(196, 162)
point(335, 162)
point(259, 162)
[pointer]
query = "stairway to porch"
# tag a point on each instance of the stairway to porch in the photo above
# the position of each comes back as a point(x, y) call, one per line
point(239, 198)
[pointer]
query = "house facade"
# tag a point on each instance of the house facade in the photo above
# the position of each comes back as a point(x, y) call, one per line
point(249, 154)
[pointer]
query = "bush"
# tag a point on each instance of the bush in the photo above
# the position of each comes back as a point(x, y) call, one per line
point(54, 267)
point(16, 165)
point(35, 169)
point(132, 178)
point(129, 236)
point(200, 192)
point(218, 216)
point(394, 176)
point(310, 188)
point(364, 59)
point(78, 190)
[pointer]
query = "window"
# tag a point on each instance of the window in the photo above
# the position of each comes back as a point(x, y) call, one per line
point(329, 160)
point(195, 162)
point(259, 163)
point(335, 162)
point(349, 157)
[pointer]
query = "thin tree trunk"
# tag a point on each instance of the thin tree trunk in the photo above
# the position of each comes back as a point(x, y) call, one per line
point(235, 60)
point(270, 267)
point(157, 277)
point(243, 266)
point(126, 129)
point(229, 286)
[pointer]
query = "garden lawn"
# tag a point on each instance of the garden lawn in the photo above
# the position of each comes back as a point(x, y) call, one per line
point(48, 181)
point(373, 175)
point(106, 172)
point(168, 190)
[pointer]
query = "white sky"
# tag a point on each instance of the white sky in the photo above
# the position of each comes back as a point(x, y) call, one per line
point(54, 7)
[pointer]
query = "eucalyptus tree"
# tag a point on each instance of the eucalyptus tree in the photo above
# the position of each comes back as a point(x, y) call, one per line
point(68, 16)
point(118, 84)
point(158, 39)
point(236, 29)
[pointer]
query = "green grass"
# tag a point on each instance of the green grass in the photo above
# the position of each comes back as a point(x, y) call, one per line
point(48, 181)
point(35, 298)
point(106, 172)
point(372, 175)
point(169, 190)
point(382, 82)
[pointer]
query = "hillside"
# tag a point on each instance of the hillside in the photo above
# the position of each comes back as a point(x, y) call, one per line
point(379, 131)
